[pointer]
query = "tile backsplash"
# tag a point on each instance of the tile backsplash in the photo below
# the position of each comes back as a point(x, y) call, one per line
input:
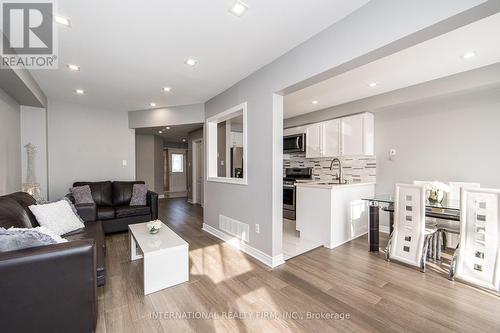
point(360, 169)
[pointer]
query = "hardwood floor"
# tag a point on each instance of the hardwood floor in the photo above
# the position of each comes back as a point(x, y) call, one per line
point(376, 295)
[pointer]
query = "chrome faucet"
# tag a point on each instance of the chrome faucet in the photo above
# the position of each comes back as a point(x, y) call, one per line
point(340, 174)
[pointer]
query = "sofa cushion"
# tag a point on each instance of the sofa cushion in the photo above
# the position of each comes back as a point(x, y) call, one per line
point(102, 192)
point(127, 211)
point(139, 195)
point(105, 213)
point(82, 194)
point(122, 192)
point(57, 216)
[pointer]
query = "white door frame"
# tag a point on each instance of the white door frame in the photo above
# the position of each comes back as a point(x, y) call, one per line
point(194, 166)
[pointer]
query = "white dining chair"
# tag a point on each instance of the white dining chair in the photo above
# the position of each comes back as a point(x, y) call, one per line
point(430, 222)
point(477, 259)
point(410, 238)
point(448, 231)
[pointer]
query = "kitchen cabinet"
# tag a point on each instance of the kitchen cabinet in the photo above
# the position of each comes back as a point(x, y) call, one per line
point(331, 138)
point(347, 136)
point(357, 135)
point(314, 141)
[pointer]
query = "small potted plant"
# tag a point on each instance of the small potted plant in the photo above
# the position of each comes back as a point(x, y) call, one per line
point(154, 226)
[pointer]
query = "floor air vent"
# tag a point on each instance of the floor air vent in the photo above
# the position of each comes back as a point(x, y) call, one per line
point(233, 227)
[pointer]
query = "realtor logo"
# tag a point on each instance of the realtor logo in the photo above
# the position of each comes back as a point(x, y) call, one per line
point(28, 35)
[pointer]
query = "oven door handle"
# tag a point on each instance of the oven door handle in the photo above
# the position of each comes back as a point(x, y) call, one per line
point(289, 186)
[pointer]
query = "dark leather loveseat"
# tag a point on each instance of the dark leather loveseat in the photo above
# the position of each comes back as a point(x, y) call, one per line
point(113, 204)
point(50, 288)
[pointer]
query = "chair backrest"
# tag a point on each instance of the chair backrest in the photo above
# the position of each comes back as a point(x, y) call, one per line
point(478, 260)
point(409, 224)
point(456, 187)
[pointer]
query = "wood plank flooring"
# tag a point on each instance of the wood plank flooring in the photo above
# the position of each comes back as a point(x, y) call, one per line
point(225, 284)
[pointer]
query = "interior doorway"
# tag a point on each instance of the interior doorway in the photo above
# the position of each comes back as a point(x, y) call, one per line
point(198, 162)
point(177, 173)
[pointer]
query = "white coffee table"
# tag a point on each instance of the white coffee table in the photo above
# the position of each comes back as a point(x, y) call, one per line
point(166, 258)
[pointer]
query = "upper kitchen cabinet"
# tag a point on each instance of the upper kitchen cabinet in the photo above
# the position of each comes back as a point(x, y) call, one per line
point(314, 141)
point(323, 139)
point(357, 135)
point(348, 136)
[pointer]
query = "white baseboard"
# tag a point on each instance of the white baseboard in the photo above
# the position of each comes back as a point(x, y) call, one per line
point(244, 247)
point(190, 201)
point(161, 196)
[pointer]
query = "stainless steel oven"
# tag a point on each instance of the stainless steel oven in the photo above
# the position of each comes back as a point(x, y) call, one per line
point(289, 189)
point(294, 143)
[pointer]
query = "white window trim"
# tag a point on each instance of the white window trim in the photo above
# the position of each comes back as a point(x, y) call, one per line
point(211, 126)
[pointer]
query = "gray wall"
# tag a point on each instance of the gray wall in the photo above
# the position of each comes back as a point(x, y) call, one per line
point(358, 34)
point(144, 159)
point(450, 138)
point(149, 161)
point(87, 144)
point(194, 135)
point(10, 143)
point(34, 130)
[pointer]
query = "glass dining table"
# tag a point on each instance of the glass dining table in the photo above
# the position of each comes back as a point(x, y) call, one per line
point(448, 209)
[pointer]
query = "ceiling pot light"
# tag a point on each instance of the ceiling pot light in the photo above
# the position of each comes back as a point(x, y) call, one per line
point(314, 102)
point(469, 55)
point(62, 20)
point(372, 84)
point(79, 91)
point(167, 89)
point(152, 104)
point(160, 132)
point(73, 67)
point(238, 8)
point(168, 127)
point(190, 62)
point(183, 140)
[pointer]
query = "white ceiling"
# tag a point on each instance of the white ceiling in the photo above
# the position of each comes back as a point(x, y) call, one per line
point(438, 57)
point(128, 50)
point(174, 134)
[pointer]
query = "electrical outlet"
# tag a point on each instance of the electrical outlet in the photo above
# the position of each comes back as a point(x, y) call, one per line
point(257, 228)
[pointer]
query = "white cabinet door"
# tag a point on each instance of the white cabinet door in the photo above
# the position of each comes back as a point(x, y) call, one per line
point(352, 135)
point(331, 138)
point(313, 141)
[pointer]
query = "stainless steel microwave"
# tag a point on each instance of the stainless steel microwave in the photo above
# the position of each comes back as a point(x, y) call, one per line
point(294, 143)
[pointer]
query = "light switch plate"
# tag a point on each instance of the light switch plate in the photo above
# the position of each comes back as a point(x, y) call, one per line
point(257, 228)
point(124, 163)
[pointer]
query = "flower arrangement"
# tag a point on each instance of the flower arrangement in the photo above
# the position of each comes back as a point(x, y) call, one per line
point(435, 191)
point(154, 226)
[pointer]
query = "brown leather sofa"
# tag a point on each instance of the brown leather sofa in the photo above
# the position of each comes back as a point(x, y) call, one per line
point(113, 204)
point(50, 288)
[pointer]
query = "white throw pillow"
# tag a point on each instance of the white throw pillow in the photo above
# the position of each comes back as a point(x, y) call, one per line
point(43, 230)
point(57, 216)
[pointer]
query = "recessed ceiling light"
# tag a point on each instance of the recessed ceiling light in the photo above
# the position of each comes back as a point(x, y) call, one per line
point(183, 140)
point(152, 104)
point(62, 20)
point(372, 84)
point(238, 8)
point(160, 132)
point(469, 55)
point(73, 67)
point(314, 102)
point(168, 127)
point(80, 91)
point(167, 89)
point(190, 62)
